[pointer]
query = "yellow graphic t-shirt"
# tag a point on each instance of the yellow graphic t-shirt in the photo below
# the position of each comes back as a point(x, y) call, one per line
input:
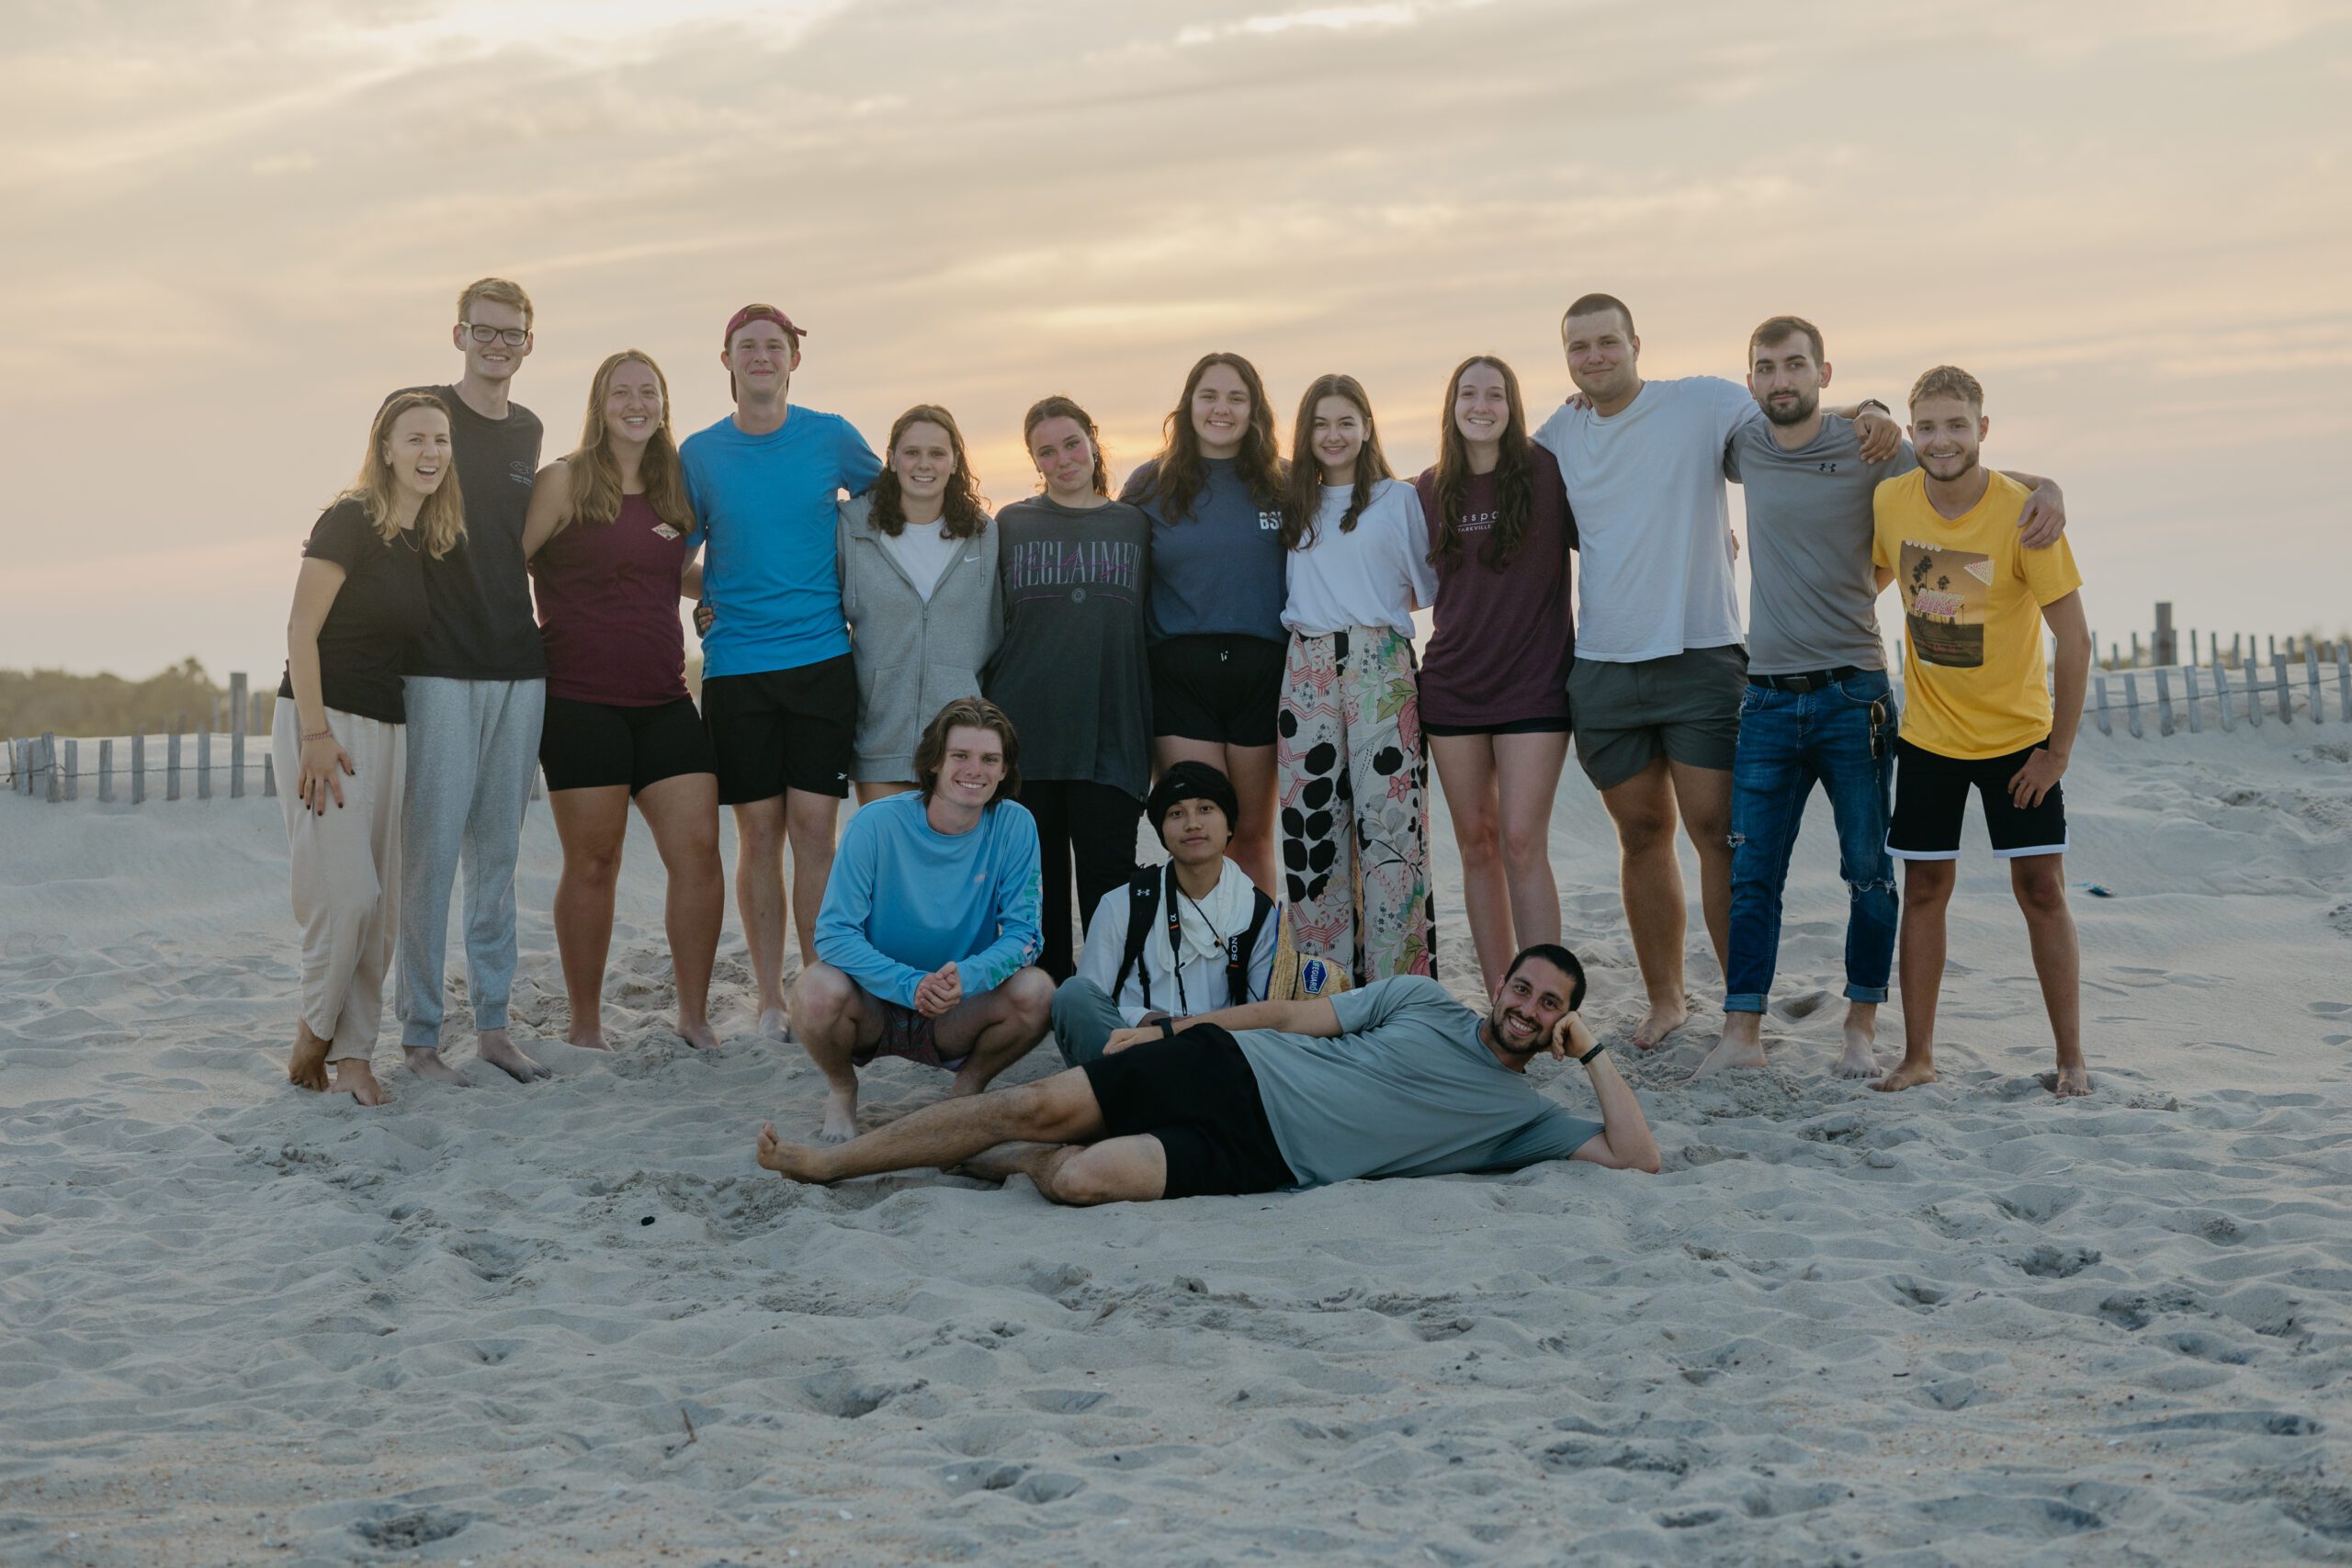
point(1972, 597)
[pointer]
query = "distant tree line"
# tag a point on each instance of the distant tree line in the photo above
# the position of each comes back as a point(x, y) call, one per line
point(42, 700)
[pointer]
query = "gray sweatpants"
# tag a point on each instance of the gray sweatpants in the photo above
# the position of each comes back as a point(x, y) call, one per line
point(1084, 1020)
point(473, 747)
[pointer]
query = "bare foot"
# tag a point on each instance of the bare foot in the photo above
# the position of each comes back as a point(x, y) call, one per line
point(588, 1037)
point(1664, 1018)
point(1742, 1045)
point(306, 1067)
point(355, 1077)
point(1908, 1074)
point(773, 1025)
point(793, 1162)
point(1860, 1058)
point(841, 1117)
point(427, 1064)
point(2072, 1080)
point(697, 1033)
point(492, 1046)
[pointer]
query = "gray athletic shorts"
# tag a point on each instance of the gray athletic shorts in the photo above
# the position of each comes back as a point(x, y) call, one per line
point(1684, 707)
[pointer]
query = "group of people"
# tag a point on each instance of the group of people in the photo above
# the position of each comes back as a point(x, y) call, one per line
point(1225, 646)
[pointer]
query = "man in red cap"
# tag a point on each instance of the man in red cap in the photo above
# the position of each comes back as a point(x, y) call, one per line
point(779, 694)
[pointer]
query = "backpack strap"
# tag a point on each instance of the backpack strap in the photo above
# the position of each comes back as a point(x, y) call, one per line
point(1239, 947)
point(1143, 903)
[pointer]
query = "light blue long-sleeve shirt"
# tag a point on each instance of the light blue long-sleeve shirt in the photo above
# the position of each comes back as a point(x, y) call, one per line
point(905, 898)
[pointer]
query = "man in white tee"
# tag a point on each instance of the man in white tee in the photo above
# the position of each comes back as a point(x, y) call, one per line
point(1660, 666)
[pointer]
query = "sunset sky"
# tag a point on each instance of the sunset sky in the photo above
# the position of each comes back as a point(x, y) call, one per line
point(231, 227)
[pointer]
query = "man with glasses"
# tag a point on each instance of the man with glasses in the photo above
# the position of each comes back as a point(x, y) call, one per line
point(476, 690)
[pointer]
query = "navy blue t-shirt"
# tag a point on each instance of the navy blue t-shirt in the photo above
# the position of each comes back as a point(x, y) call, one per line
point(1216, 571)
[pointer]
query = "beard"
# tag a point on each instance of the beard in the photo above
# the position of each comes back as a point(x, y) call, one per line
point(1534, 1048)
point(1967, 466)
point(1796, 411)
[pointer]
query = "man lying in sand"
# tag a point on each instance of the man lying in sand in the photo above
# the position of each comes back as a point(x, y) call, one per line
point(1394, 1080)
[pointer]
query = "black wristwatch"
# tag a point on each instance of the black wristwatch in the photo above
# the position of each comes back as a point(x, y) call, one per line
point(1167, 1027)
point(1587, 1059)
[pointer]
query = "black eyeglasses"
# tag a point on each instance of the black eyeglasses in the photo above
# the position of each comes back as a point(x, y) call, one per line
point(511, 336)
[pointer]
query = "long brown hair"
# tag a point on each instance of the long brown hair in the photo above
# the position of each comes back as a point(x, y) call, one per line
point(594, 474)
point(1180, 471)
point(966, 713)
point(441, 521)
point(1304, 494)
point(1059, 406)
point(964, 514)
point(1514, 475)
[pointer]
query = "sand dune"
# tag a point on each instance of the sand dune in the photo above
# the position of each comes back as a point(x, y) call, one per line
point(573, 1325)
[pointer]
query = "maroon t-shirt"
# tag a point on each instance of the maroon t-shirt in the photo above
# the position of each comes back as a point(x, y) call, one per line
point(1504, 640)
point(608, 609)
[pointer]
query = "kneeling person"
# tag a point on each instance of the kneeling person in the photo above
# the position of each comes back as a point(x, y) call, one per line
point(1394, 1080)
point(1187, 936)
point(929, 925)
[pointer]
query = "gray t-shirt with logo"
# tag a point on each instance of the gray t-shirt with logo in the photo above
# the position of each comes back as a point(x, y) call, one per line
point(1406, 1089)
point(1811, 601)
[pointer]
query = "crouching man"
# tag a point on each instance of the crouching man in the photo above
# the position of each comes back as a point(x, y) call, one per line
point(928, 927)
point(1192, 934)
point(1394, 1080)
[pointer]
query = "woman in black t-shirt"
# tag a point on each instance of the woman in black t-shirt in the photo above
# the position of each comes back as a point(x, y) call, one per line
point(1071, 670)
point(358, 606)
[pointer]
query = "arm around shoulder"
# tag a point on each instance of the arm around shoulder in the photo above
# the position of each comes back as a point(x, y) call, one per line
point(550, 507)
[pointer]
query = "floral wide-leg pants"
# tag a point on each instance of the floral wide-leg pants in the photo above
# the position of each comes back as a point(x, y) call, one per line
point(1355, 813)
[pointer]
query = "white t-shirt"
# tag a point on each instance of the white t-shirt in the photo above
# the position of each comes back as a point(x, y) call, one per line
point(1375, 574)
point(1653, 576)
point(922, 551)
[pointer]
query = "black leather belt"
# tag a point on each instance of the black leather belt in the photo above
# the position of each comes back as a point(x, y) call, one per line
point(1811, 681)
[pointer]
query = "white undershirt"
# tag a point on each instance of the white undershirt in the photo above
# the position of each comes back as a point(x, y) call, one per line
point(922, 551)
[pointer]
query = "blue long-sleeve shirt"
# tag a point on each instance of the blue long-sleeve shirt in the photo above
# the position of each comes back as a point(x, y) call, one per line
point(905, 898)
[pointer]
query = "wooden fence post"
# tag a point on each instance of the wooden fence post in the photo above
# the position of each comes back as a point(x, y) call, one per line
point(269, 775)
point(2221, 689)
point(2106, 727)
point(2310, 668)
point(2188, 679)
point(171, 765)
point(18, 781)
point(73, 770)
point(2343, 683)
point(240, 710)
point(105, 772)
point(204, 765)
point(2164, 699)
point(2132, 704)
point(2278, 672)
point(139, 766)
point(48, 761)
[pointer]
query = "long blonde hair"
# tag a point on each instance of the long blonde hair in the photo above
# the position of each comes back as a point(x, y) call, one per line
point(441, 521)
point(594, 474)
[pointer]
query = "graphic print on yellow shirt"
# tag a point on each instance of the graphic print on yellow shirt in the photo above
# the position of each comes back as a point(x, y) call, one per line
point(1977, 685)
point(1943, 603)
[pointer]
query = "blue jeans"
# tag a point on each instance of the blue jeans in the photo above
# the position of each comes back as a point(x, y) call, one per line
point(1787, 741)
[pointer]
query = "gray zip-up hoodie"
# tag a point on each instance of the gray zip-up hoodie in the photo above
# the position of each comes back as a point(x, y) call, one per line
point(913, 657)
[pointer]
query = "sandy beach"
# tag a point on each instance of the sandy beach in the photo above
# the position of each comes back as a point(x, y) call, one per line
point(574, 1325)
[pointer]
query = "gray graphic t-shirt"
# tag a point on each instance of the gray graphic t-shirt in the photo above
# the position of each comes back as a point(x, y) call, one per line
point(1811, 603)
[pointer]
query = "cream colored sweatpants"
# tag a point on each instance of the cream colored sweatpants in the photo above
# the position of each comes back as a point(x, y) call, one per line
point(346, 868)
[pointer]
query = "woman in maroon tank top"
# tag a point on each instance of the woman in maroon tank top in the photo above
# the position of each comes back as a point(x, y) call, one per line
point(606, 539)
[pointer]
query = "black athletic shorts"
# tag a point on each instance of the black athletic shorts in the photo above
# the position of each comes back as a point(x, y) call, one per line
point(782, 730)
point(1196, 1094)
point(1931, 799)
point(1225, 688)
point(595, 745)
